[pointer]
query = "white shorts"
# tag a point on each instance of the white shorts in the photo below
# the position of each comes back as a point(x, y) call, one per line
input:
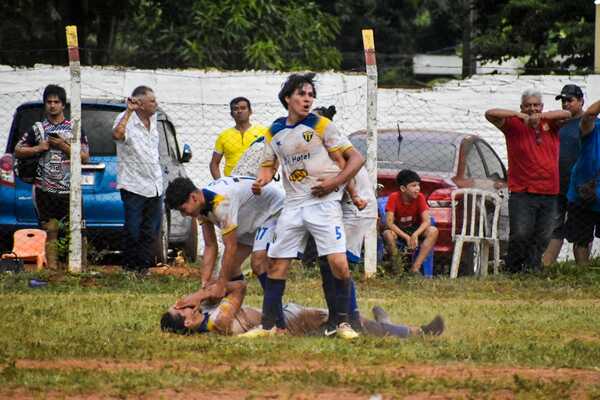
point(356, 229)
point(322, 220)
point(263, 237)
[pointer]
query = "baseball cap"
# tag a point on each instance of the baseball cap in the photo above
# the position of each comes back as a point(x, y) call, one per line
point(570, 91)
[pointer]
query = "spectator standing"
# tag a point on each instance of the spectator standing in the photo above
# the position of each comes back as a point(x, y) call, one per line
point(532, 143)
point(583, 215)
point(50, 139)
point(139, 177)
point(571, 97)
point(233, 142)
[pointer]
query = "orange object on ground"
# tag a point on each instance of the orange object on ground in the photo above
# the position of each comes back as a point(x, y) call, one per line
point(29, 245)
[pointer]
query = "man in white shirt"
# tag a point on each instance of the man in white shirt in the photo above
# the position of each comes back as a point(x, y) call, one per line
point(139, 177)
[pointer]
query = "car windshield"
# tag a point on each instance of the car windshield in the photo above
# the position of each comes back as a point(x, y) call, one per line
point(416, 153)
point(96, 124)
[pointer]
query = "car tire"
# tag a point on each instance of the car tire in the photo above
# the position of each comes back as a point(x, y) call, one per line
point(190, 247)
point(162, 243)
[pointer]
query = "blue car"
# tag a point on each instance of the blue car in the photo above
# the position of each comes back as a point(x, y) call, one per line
point(103, 209)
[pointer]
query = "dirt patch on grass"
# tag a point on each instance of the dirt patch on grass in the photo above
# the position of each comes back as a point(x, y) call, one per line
point(454, 371)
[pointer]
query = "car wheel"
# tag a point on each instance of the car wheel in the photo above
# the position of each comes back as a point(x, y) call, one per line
point(191, 244)
point(162, 245)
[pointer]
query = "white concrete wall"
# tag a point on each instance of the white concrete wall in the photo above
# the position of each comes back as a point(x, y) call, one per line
point(197, 101)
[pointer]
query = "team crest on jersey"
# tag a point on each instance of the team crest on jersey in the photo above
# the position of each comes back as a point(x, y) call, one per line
point(545, 127)
point(298, 175)
point(308, 135)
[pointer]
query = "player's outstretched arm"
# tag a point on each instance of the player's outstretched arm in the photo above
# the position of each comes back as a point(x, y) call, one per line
point(263, 177)
point(211, 249)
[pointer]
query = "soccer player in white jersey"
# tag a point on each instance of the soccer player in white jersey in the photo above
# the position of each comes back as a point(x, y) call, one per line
point(302, 143)
point(247, 223)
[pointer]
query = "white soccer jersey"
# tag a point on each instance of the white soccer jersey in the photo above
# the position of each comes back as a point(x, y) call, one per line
point(303, 152)
point(230, 204)
point(364, 189)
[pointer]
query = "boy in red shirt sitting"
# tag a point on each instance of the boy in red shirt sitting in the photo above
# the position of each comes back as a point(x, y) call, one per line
point(408, 220)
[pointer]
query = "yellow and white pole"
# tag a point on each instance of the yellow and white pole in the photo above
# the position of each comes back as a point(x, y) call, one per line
point(75, 241)
point(371, 64)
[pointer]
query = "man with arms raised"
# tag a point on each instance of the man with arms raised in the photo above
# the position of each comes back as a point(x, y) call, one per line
point(532, 143)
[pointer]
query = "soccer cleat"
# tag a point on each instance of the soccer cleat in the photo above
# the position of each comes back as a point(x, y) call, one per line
point(435, 327)
point(345, 331)
point(259, 332)
point(380, 315)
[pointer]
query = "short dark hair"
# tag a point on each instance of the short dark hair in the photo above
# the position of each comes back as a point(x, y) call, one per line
point(328, 112)
point(293, 82)
point(141, 91)
point(407, 176)
point(178, 192)
point(55, 90)
point(233, 102)
point(173, 323)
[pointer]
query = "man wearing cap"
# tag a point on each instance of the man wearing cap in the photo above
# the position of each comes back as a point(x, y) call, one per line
point(583, 212)
point(532, 143)
point(571, 97)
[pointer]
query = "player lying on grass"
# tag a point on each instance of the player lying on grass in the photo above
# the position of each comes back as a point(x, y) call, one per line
point(228, 316)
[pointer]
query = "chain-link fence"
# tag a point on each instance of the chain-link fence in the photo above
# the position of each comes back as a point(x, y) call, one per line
point(442, 135)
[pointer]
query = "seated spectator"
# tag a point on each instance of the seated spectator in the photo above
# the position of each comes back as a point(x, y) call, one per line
point(408, 221)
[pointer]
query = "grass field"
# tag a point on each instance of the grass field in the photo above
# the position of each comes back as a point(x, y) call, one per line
point(97, 336)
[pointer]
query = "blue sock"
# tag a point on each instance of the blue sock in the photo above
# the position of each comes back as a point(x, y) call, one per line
point(262, 278)
point(328, 283)
point(342, 300)
point(353, 306)
point(272, 303)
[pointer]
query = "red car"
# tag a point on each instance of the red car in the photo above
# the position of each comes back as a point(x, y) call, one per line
point(445, 161)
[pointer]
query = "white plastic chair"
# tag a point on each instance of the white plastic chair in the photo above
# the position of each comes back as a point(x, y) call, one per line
point(475, 228)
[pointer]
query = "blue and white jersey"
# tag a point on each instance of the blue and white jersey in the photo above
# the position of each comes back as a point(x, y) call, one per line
point(230, 204)
point(303, 152)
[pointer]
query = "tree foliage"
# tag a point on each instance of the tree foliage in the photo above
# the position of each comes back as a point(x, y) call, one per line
point(549, 34)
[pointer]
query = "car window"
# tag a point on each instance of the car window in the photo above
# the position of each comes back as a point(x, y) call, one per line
point(474, 164)
point(414, 153)
point(96, 123)
point(171, 141)
point(495, 169)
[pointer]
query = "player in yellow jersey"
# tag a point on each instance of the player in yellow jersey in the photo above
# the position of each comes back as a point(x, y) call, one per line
point(233, 142)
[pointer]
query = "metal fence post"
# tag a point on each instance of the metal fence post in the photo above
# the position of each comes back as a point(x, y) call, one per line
point(371, 237)
point(75, 195)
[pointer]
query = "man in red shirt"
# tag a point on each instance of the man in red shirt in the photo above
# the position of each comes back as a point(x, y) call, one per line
point(532, 143)
point(408, 220)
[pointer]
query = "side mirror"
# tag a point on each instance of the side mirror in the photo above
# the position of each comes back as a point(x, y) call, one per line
point(186, 156)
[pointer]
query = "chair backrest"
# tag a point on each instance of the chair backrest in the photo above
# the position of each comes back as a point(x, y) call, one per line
point(475, 206)
point(28, 242)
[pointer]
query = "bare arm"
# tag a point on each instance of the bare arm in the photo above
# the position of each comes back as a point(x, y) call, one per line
point(228, 262)
point(497, 116)
point(25, 151)
point(214, 165)
point(426, 223)
point(556, 115)
point(354, 161)
point(589, 118)
point(211, 249)
point(230, 305)
point(263, 177)
point(391, 225)
point(118, 132)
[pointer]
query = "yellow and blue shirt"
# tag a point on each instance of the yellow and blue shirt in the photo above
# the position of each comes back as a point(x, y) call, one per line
point(303, 152)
